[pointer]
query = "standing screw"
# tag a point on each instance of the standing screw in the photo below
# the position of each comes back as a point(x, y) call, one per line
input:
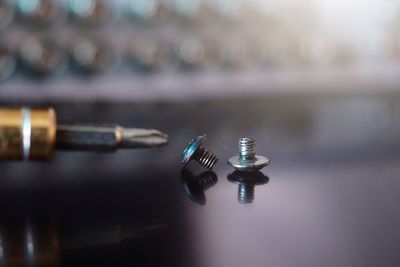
point(246, 182)
point(195, 150)
point(247, 160)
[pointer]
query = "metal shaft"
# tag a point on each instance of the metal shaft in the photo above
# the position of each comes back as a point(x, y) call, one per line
point(106, 138)
point(247, 148)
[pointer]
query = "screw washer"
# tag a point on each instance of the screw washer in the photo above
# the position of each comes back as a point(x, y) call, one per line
point(247, 160)
point(195, 150)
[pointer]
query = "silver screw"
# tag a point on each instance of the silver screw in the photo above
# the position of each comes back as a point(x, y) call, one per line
point(247, 160)
point(195, 150)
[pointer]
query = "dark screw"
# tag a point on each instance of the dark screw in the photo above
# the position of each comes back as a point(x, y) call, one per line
point(246, 182)
point(195, 150)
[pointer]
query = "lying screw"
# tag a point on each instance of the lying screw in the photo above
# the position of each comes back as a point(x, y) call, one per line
point(195, 186)
point(247, 160)
point(195, 150)
point(247, 182)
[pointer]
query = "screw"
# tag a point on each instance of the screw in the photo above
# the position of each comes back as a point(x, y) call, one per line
point(195, 150)
point(42, 56)
point(195, 186)
point(41, 12)
point(247, 160)
point(150, 11)
point(91, 12)
point(246, 182)
point(90, 54)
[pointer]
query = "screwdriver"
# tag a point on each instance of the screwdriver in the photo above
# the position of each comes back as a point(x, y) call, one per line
point(33, 134)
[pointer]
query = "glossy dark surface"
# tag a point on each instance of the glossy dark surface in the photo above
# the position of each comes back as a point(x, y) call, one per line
point(332, 197)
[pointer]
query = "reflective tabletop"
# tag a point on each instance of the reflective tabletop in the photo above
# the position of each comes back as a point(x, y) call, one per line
point(328, 198)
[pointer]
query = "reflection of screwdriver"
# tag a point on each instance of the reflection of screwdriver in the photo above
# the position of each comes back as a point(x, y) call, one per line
point(33, 134)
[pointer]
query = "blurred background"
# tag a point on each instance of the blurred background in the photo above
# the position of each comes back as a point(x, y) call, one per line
point(176, 49)
point(315, 82)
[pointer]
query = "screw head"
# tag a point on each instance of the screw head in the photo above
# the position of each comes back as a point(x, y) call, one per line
point(191, 149)
point(256, 164)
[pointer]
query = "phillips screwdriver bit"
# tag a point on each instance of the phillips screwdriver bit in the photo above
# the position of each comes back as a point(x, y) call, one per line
point(106, 138)
point(33, 134)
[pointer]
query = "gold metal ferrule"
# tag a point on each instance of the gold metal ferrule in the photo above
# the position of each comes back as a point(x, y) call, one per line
point(27, 134)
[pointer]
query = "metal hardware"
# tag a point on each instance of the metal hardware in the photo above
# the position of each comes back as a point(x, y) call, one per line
point(195, 150)
point(247, 160)
point(42, 56)
point(33, 134)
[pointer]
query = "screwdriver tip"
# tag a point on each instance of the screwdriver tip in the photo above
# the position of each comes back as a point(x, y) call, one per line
point(142, 138)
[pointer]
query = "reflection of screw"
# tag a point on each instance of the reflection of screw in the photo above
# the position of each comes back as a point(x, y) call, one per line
point(247, 182)
point(245, 193)
point(247, 160)
point(194, 186)
point(195, 150)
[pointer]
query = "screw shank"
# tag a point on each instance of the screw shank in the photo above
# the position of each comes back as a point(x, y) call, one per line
point(205, 158)
point(247, 148)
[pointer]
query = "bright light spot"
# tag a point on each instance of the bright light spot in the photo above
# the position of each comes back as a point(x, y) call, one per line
point(30, 249)
point(82, 6)
point(29, 6)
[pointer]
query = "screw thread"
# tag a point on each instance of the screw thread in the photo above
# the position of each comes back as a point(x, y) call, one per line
point(207, 179)
point(247, 148)
point(246, 194)
point(206, 158)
